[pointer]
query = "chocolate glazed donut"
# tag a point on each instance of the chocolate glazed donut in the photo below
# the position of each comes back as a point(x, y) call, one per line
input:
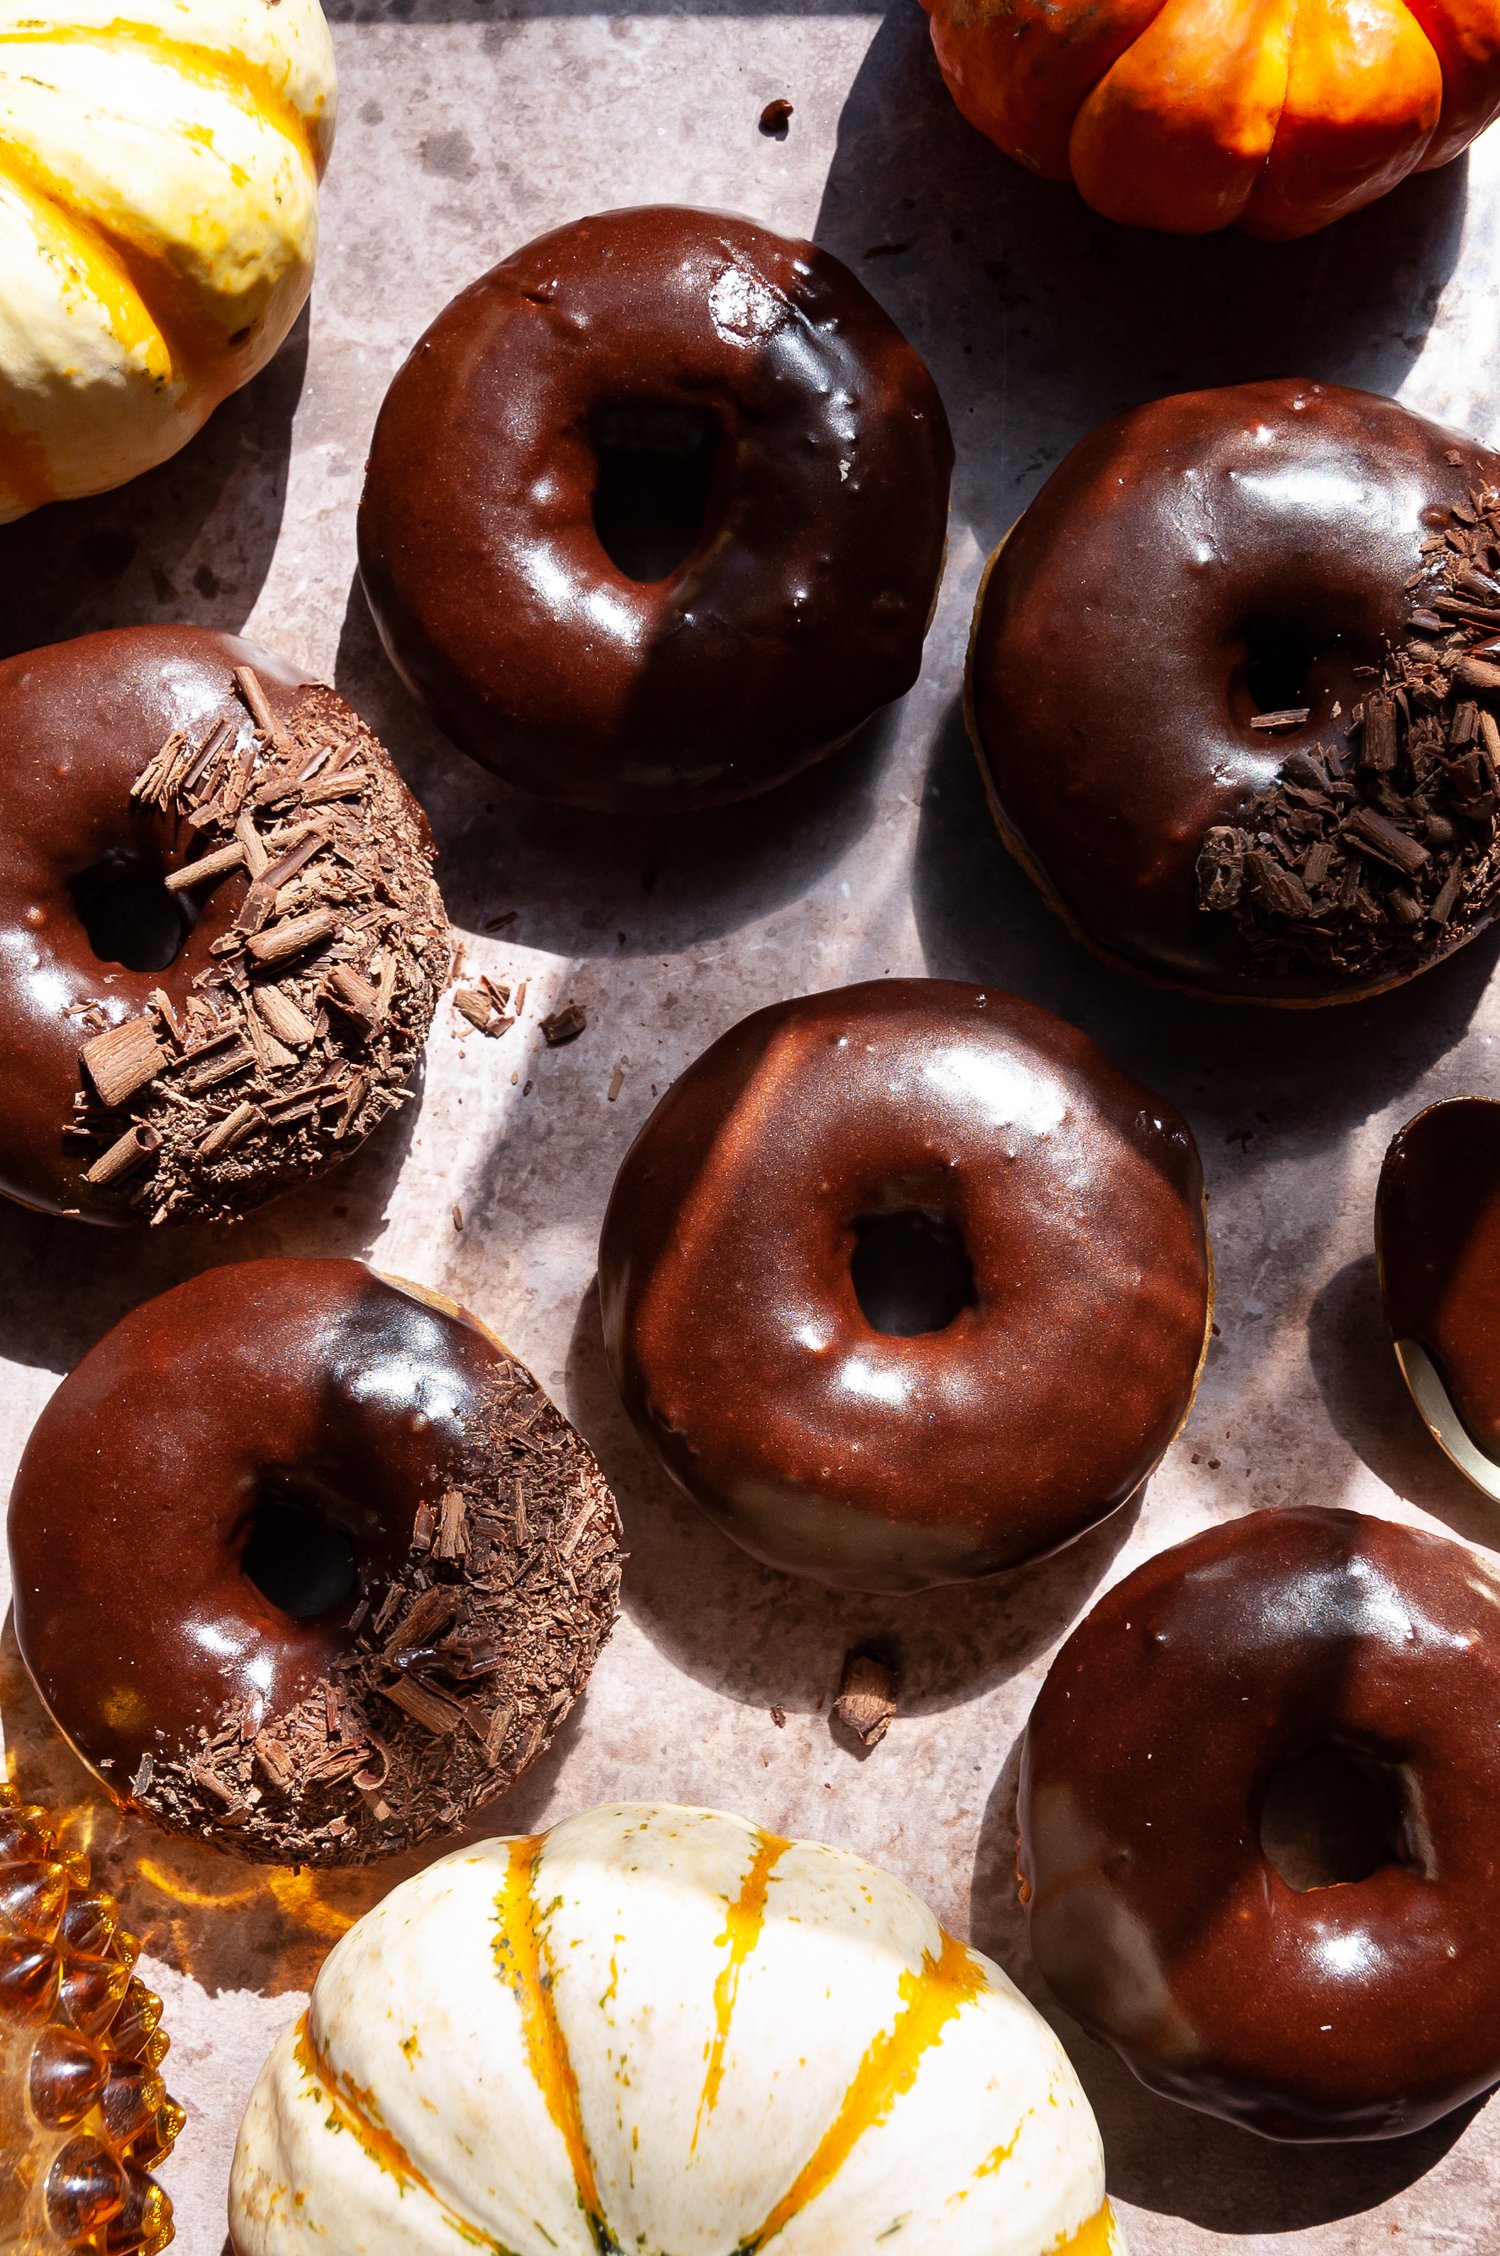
point(906, 1283)
point(265, 1542)
point(1193, 566)
point(756, 372)
point(1356, 2007)
point(230, 1074)
point(1437, 1246)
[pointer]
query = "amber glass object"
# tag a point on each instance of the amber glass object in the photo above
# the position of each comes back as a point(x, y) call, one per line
point(84, 2114)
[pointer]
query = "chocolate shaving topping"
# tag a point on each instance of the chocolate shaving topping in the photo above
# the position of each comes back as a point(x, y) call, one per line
point(1373, 853)
point(240, 1081)
point(456, 1669)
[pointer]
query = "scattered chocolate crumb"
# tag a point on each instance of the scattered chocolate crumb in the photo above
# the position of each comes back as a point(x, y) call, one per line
point(456, 1670)
point(458, 1216)
point(778, 1717)
point(775, 118)
point(1374, 853)
point(867, 1698)
point(564, 1026)
point(616, 1082)
point(228, 1090)
point(492, 1006)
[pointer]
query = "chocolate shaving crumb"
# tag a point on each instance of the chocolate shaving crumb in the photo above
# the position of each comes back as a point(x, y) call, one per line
point(123, 1061)
point(456, 1669)
point(1368, 859)
point(867, 1698)
point(1290, 717)
point(341, 905)
point(489, 1006)
point(564, 1026)
point(775, 118)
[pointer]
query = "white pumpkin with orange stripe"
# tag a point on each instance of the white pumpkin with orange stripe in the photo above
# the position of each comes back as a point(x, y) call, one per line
point(159, 168)
point(664, 2032)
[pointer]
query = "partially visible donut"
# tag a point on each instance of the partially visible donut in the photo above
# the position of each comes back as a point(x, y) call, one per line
point(306, 1564)
point(906, 1283)
point(1437, 1247)
point(1233, 695)
point(817, 453)
point(221, 945)
point(1357, 2009)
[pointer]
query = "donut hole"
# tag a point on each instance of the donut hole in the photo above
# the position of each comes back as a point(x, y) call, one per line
point(127, 913)
point(1276, 673)
point(297, 1554)
point(910, 1272)
point(656, 476)
point(1330, 1816)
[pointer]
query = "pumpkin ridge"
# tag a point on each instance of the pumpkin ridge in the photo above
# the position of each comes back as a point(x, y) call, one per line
point(132, 323)
point(744, 1920)
point(1096, 2236)
point(109, 261)
point(355, 2111)
point(520, 1954)
point(250, 86)
point(931, 1996)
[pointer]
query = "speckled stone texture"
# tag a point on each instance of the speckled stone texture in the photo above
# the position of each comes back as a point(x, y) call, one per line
point(467, 128)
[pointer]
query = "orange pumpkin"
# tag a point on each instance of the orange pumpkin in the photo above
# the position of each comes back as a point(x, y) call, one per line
point(1274, 115)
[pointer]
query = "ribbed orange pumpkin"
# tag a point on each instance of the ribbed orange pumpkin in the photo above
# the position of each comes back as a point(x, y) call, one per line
point(1274, 115)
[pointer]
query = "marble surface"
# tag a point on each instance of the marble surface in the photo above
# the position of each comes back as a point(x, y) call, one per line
point(468, 125)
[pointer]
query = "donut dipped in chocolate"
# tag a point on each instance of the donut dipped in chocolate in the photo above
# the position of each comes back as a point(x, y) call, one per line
point(1260, 1824)
point(267, 1543)
point(655, 512)
point(1437, 1243)
point(221, 943)
point(906, 1283)
point(1233, 695)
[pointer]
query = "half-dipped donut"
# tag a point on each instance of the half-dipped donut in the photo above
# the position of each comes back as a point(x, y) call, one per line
point(655, 511)
point(1356, 1999)
point(306, 1564)
point(906, 1283)
point(1232, 693)
point(221, 945)
point(1437, 1247)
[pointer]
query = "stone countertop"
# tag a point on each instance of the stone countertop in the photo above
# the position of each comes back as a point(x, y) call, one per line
point(466, 128)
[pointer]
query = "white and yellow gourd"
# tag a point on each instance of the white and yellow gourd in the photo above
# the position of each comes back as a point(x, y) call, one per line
point(159, 168)
point(664, 2032)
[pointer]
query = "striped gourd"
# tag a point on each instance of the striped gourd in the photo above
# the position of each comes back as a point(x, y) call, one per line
point(663, 2032)
point(159, 168)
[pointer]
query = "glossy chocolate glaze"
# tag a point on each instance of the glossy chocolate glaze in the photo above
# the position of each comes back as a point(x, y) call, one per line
point(78, 722)
point(136, 1491)
point(1107, 683)
point(882, 1462)
point(802, 606)
point(1361, 2010)
point(1437, 1236)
